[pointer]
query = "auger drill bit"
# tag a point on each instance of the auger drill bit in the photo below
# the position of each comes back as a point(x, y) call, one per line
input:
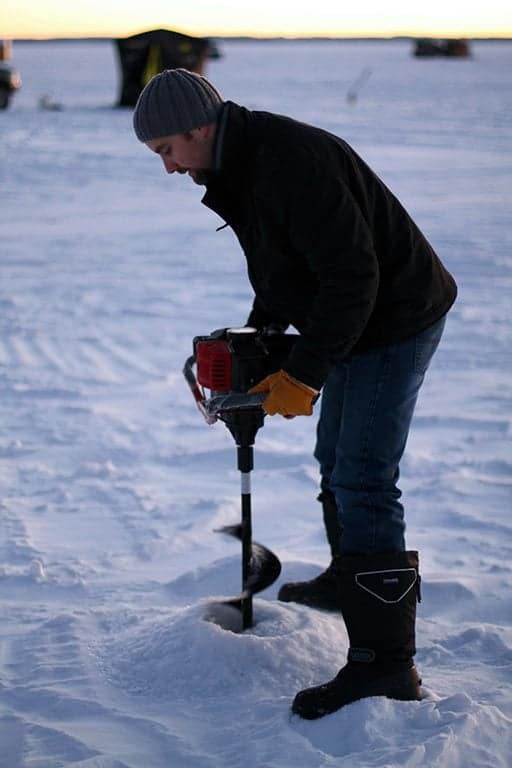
point(260, 566)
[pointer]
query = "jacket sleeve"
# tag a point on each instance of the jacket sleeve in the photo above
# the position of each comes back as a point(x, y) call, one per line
point(260, 318)
point(326, 226)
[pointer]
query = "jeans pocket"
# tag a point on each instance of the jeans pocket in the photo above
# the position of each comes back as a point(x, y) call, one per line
point(426, 344)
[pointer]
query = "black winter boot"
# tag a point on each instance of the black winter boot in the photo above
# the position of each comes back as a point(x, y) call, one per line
point(323, 591)
point(378, 601)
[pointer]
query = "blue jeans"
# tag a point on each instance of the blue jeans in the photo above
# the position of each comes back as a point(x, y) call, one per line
point(366, 412)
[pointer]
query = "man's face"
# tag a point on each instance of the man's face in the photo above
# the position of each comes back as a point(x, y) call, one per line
point(187, 152)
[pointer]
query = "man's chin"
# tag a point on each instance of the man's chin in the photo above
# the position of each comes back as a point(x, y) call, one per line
point(199, 176)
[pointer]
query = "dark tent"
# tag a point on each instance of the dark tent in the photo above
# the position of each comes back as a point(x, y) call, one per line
point(448, 47)
point(144, 55)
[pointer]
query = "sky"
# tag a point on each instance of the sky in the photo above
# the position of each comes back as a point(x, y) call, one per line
point(79, 18)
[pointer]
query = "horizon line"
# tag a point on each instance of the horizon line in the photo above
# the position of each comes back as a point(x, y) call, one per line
point(256, 37)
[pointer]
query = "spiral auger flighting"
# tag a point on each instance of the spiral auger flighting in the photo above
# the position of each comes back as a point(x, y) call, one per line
point(229, 362)
point(260, 567)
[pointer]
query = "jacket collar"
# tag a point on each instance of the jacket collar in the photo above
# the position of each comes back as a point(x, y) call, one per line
point(231, 139)
point(229, 155)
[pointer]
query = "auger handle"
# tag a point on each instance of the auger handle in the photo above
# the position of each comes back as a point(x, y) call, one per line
point(219, 402)
point(197, 392)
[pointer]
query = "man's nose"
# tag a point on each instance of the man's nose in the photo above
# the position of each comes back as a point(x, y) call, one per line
point(170, 166)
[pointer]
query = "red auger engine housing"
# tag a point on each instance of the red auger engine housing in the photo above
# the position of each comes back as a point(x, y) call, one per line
point(235, 359)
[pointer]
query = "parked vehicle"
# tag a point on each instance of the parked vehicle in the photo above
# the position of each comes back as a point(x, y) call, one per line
point(431, 47)
point(10, 79)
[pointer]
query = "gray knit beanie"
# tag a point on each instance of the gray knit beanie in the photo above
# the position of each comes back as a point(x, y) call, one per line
point(175, 101)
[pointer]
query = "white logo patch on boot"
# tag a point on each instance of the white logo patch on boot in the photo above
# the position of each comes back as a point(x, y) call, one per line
point(388, 586)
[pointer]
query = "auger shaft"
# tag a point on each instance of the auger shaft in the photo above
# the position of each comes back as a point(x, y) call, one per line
point(244, 425)
point(245, 465)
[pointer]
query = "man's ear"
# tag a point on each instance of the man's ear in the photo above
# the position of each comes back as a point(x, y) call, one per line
point(205, 132)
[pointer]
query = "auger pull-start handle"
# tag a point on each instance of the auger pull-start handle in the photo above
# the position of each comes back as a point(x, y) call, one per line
point(219, 402)
point(197, 392)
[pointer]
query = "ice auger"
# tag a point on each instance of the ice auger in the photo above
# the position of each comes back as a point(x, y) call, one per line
point(228, 363)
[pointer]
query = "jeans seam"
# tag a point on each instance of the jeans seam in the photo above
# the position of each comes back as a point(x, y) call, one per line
point(372, 517)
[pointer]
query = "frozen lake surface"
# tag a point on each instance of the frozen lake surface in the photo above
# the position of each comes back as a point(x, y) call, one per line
point(111, 484)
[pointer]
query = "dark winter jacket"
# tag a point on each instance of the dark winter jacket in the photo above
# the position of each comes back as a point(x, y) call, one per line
point(330, 250)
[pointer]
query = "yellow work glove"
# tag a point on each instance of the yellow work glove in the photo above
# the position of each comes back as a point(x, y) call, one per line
point(286, 395)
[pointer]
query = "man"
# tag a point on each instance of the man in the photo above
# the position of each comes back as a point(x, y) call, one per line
point(331, 251)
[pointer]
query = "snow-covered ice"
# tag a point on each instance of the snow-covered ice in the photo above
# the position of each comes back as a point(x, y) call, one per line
point(111, 484)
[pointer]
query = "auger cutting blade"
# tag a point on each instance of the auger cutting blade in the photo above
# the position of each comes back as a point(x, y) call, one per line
point(264, 567)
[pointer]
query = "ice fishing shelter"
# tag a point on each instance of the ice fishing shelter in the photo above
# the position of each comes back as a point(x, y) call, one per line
point(430, 47)
point(143, 55)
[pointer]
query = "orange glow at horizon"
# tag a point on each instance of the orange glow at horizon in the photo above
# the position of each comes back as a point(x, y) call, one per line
point(265, 18)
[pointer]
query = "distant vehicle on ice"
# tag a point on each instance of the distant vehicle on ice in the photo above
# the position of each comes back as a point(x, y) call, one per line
point(10, 79)
point(449, 47)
